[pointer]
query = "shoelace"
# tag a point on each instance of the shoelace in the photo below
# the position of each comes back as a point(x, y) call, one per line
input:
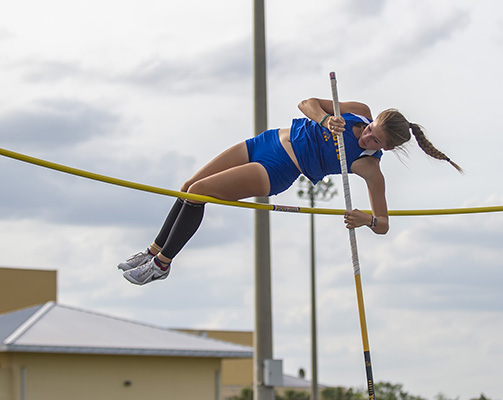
point(134, 257)
point(144, 269)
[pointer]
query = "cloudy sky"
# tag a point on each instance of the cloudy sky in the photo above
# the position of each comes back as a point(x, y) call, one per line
point(149, 91)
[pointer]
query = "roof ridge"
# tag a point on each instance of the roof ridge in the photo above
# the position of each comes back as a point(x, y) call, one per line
point(181, 332)
point(121, 319)
point(21, 330)
point(50, 305)
point(36, 333)
point(147, 325)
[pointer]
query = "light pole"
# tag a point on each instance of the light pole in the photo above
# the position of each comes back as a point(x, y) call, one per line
point(262, 342)
point(323, 190)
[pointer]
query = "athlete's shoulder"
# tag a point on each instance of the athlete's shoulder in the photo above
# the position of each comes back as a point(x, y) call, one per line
point(354, 118)
point(355, 107)
point(368, 168)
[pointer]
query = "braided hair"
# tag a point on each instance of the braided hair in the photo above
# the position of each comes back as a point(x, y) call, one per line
point(399, 130)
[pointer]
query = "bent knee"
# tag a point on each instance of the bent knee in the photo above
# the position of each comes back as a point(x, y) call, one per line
point(198, 187)
point(185, 186)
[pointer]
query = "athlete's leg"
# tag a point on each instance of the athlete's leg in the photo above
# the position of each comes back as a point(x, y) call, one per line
point(233, 178)
point(235, 183)
point(162, 236)
point(232, 157)
point(236, 155)
point(228, 176)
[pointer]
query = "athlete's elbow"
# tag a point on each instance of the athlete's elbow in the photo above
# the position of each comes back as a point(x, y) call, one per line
point(305, 104)
point(382, 231)
point(382, 226)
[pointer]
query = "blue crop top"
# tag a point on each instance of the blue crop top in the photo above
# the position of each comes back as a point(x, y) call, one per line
point(318, 152)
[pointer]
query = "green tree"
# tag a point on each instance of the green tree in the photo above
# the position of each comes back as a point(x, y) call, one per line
point(341, 393)
point(246, 394)
point(441, 396)
point(292, 395)
point(389, 391)
point(383, 391)
point(481, 397)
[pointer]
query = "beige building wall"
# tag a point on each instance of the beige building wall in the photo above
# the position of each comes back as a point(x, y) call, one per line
point(5, 382)
point(84, 377)
point(244, 338)
point(21, 288)
point(236, 373)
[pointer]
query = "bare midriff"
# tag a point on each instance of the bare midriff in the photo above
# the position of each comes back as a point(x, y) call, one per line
point(284, 138)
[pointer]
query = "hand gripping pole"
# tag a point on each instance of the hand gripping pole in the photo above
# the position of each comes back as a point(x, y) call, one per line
point(354, 249)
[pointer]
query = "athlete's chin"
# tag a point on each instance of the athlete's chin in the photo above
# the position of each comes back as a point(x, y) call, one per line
point(364, 146)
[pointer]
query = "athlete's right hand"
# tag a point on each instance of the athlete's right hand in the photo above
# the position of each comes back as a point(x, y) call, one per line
point(335, 125)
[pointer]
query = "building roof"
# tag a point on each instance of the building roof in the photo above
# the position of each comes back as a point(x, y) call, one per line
point(53, 328)
point(290, 381)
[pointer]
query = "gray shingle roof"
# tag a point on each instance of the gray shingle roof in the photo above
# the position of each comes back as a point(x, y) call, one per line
point(53, 328)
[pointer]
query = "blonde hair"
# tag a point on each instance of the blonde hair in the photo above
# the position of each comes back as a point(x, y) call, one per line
point(398, 131)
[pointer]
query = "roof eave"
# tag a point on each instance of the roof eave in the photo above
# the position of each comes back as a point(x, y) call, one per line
point(124, 351)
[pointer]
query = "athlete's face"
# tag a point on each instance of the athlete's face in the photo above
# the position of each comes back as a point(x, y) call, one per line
point(373, 137)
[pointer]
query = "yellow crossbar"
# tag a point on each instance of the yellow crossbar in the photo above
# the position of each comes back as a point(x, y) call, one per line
point(243, 204)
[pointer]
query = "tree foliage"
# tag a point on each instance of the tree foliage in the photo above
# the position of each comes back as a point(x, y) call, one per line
point(383, 391)
point(293, 395)
point(246, 394)
point(341, 393)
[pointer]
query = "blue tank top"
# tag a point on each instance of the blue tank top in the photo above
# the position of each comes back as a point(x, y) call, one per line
point(318, 151)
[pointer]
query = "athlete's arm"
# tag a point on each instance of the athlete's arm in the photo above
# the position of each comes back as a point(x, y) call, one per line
point(368, 168)
point(315, 109)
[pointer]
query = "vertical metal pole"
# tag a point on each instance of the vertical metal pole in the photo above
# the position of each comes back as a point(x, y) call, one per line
point(218, 383)
point(314, 351)
point(263, 309)
point(23, 383)
point(321, 190)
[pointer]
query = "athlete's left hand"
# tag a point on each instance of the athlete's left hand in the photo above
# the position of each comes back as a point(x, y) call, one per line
point(356, 218)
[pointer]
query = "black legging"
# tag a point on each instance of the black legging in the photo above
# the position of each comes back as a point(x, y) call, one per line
point(180, 225)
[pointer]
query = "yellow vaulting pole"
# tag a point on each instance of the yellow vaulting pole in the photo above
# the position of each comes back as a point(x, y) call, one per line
point(354, 248)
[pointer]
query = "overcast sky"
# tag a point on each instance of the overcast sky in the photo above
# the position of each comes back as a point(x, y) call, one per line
point(149, 91)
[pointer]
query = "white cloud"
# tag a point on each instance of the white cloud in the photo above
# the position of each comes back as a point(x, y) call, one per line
point(224, 65)
point(150, 93)
point(55, 124)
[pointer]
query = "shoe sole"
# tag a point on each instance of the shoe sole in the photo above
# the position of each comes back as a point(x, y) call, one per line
point(132, 280)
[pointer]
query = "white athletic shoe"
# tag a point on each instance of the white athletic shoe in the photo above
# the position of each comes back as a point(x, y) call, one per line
point(135, 260)
point(147, 273)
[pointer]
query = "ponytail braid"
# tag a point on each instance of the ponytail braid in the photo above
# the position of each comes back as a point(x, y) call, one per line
point(398, 131)
point(428, 147)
